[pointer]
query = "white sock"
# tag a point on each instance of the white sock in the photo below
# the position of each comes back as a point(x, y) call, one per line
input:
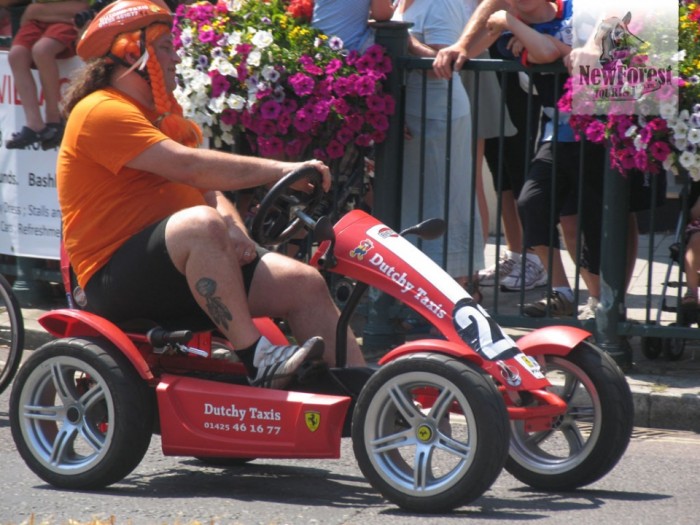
point(513, 256)
point(534, 258)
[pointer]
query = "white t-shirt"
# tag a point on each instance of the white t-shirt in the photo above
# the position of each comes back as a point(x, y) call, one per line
point(435, 22)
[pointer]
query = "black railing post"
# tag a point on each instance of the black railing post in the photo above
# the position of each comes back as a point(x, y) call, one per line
point(381, 332)
point(26, 287)
point(610, 313)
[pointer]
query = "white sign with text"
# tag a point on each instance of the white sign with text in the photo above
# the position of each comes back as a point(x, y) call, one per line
point(30, 218)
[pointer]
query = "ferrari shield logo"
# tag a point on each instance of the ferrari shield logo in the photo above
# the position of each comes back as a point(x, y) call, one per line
point(313, 420)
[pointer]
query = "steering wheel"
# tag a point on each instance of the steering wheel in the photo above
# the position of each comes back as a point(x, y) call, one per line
point(284, 211)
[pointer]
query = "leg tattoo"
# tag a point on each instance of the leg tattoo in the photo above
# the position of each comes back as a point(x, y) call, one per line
point(216, 308)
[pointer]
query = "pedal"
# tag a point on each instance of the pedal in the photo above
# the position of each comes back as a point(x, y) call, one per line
point(311, 371)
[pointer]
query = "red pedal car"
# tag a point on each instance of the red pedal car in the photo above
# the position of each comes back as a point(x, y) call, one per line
point(432, 427)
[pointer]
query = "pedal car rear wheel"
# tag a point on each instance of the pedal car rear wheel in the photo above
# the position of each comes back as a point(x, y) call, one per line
point(11, 334)
point(430, 433)
point(81, 416)
point(589, 439)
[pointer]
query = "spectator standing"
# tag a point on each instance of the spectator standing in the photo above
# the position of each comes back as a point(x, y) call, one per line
point(348, 20)
point(487, 92)
point(512, 157)
point(472, 43)
point(47, 33)
point(437, 23)
point(540, 32)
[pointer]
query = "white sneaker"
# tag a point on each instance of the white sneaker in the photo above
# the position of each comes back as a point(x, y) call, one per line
point(277, 364)
point(506, 263)
point(588, 311)
point(535, 276)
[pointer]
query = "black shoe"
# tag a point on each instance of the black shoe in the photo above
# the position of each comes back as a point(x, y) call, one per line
point(52, 135)
point(23, 138)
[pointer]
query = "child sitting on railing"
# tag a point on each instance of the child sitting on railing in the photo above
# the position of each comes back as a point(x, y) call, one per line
point(46, 33)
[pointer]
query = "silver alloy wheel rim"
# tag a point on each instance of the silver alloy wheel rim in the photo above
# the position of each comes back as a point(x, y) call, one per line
point(67, 430)
point(573, 436)
point(420, 452)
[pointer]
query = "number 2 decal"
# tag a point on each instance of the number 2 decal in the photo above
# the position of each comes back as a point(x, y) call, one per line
point(481, 332)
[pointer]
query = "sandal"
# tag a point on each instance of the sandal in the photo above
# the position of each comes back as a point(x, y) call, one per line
point(688, 309)
point(689, 299)
point(23, 138)
point(472, 288)
point(51, 136)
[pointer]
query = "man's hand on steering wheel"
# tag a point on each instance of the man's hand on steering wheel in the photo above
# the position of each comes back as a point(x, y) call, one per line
point(319, 166)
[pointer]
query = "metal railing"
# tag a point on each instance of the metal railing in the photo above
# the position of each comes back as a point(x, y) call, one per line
point(611, 326)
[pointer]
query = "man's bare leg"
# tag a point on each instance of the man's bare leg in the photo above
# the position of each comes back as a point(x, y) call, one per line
point(286, 288)
point(200, 247)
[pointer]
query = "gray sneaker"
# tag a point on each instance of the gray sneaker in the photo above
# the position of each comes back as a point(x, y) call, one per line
point(277, 364)
point(559, 306)
point(535, 275)
point(503, 269)
point(588, 311)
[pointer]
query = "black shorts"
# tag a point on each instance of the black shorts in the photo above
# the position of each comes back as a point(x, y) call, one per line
point(519, 148)
point(535, 200)
point(140, 282)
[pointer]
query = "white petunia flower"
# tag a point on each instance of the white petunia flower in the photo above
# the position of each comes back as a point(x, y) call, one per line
point(254, 58)
point(667, 110)
point(680, 128)
point(223, 66)
point(262, 39)
point(687, 159)
point(694, 136)
point(694, 173)
point(233, 40)
point(235, 102)
point(270, 74)
point(218, 104)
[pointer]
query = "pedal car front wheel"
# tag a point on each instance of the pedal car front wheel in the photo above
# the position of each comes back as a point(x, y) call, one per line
point(81, 416)
point(430, 433)
point(588, 440)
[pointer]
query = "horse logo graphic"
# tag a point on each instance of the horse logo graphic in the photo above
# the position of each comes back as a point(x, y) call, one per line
point(616, 39)
point(313, 420)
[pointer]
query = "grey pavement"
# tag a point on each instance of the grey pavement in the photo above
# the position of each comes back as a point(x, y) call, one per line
point(666, 393)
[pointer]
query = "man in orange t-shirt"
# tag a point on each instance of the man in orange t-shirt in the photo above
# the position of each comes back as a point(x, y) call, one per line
point(145, 226)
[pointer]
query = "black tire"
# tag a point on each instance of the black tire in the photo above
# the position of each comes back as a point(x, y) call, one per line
point(11, 334)
point(673, 348)
point(81, 416)
point(651, 347)
point(585, 443)
point(460, 453)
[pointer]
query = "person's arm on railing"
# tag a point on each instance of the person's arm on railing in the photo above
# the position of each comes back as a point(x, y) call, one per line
point(474, 39)
point(541, 48)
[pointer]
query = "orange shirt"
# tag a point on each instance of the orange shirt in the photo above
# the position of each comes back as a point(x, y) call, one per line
point(104, 203)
